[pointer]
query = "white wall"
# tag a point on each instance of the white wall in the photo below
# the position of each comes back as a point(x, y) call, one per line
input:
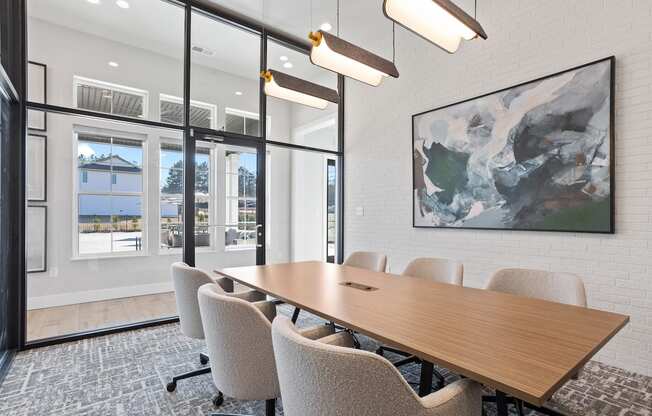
point(527, 39)
point(68, 53)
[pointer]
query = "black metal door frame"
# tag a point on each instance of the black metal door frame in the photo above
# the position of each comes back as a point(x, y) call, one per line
point(259, 146)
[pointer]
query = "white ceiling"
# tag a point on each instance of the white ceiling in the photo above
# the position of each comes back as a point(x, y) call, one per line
point(157, 26)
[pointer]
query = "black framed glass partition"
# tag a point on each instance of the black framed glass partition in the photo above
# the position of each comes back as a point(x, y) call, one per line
point(98, 240)
point(161, 127)
point(295, 123)
point(302, 190)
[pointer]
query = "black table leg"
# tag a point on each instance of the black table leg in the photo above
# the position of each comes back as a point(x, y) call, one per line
point(501, 404)
point(295, 315)
point(425, 383)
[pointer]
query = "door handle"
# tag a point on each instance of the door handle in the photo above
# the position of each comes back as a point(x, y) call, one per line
point(259, 233)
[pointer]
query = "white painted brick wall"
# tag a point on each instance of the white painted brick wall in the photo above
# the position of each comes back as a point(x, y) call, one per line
point(527, 39)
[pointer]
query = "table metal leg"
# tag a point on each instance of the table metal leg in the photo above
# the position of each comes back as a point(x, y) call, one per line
point(520, 405)
point(425, 383)
point(295, 315)
point(501, 404)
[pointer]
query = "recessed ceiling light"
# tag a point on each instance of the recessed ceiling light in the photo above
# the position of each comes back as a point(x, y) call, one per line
point(288, 65)
point(93, 1)
point(123, 4)
point(113, 64)
point(283, 58)
point(238, 93)
point(326, 26)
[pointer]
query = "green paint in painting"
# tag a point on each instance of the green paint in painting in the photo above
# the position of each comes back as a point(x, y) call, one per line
point(447, 170)
point(592, 216)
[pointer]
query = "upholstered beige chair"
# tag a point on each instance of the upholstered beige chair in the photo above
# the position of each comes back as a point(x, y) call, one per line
point(187, 281)
point(437, 270)
point(557, 287)
point(326, 380)
point(239, 340)
point(551, 286)
point(367, 260)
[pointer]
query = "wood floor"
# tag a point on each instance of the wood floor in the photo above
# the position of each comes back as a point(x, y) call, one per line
point(69, 319)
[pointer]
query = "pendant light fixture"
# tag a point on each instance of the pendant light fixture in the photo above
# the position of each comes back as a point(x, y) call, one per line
point(335, 54)
point(287, 87)
point(438, 21)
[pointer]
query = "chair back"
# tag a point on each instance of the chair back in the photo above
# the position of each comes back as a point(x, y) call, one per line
point(369, 260)
point(551, 286)
point(322, 380)
point(437, 270)
point(187, 281)
point(239, 341)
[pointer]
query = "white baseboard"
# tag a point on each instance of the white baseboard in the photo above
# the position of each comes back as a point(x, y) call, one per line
point(72, 298)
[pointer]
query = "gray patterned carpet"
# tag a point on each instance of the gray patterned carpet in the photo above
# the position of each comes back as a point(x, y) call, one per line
point(125, 374)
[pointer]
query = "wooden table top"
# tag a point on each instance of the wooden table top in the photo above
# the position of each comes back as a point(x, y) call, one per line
point(524, 347)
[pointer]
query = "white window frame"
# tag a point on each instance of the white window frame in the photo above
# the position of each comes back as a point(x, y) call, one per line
point(227, 198)
point(79, 80)
point(83, 129)
point(248, 114)
point(199, 104)
point(212, 192)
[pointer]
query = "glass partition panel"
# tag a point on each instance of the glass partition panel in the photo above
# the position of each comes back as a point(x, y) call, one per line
point(99, 56)
point(296, 123)
point(301, 192)
point(224, 76)
point(102, 237)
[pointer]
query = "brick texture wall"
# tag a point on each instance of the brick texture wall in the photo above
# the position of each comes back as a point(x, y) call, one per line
point(527, 39)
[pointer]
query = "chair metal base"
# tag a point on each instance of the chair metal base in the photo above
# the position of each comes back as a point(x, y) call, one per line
point(172, 386)
point(203, 359)
point(270, 410)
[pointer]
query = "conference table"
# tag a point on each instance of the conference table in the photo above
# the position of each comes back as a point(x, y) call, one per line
point(524, 348)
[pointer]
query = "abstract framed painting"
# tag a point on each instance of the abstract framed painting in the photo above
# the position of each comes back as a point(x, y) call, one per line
point(537, 156)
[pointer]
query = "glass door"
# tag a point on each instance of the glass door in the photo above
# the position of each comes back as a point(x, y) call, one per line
point(228, 229)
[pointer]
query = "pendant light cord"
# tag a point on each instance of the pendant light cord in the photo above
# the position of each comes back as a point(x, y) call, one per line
point(338, 18)
point(393, 42)
point(475, 9)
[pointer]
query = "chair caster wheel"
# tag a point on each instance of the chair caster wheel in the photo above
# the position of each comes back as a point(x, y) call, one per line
point(218, 400)
point(203, 360)
point(171, 386)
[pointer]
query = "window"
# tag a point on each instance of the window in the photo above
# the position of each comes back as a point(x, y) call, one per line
point(243, 122)
point(103, 97)
point(331, 213)
point(201, 114)
point(241, 176)
point(171, 195)
point(109, 195)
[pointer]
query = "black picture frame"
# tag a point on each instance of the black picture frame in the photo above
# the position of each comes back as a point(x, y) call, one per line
point(44, 168)
point(44, 237)
point(40, 113)
point(612, 158)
